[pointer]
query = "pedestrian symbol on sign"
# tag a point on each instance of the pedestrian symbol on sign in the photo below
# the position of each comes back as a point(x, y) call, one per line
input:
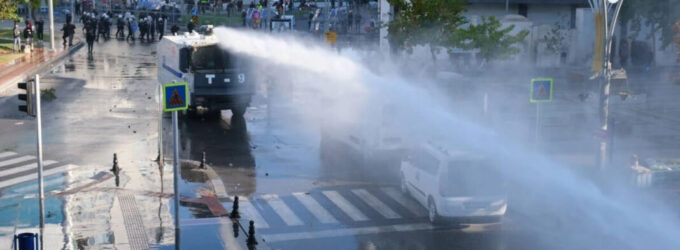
point(541, 90)
point(175, 100)
point(178, 100)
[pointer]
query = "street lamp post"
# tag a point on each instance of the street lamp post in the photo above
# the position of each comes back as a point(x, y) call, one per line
point(609, 29)
point(51, 13)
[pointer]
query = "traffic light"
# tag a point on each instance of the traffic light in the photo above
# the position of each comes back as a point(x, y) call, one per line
point(29, 97)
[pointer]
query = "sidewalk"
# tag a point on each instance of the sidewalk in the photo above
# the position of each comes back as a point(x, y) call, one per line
point(32, 63)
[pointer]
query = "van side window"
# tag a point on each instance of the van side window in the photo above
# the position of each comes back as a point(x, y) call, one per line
point(429, 163)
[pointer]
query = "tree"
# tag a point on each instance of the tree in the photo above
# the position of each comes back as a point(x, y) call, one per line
point(659, 15)
point(554, 40)
point(8, 10)
point(424, 22)
point(492, 41)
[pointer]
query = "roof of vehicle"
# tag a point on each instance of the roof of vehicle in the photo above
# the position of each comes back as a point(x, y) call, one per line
point(454, 153)
point(193, 39)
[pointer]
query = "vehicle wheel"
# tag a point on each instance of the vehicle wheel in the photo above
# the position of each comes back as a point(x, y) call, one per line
point(239, 110)
point(404, 188)
point(432, 211)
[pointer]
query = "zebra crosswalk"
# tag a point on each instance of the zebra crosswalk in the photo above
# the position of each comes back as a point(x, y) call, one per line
point(330, 207)
point(16, 169)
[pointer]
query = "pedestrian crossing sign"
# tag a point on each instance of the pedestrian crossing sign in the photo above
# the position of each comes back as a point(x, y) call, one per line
point(175, 96)
point(541, 90)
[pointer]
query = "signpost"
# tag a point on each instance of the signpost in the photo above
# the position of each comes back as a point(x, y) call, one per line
point(175, 98)
point(541, 90)
point(32, 108)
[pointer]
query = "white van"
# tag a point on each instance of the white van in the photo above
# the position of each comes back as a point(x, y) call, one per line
point(453, 185)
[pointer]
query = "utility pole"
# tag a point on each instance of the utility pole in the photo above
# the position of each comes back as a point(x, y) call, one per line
point(609, 29)
point(51, 11)
point(41, 187)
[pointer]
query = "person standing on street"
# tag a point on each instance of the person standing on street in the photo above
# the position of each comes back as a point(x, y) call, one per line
point(160, 26)
point(17, 38)
point(39, 25)
point(120, 26)
point(130, 30)
point(142, 28)
point(65, 28)
point(28, 35)
point(152, 26)
point(90, 35)
point(71, 33)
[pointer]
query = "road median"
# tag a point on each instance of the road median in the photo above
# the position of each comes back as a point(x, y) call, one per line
point(34, 63)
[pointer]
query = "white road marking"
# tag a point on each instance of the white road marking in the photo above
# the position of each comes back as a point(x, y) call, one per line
point(34, 187)
point(16, 160)
point(315, 208)
point(32, 166)
point(346, 232)
point(5, 154)
point(282, 210)
point(406, 202)
point(251, 214)
point(376, 204)
point(29, 177)
point(345, 206)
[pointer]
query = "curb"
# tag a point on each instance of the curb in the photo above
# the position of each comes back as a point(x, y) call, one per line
point(41, 67)
point(215, 180)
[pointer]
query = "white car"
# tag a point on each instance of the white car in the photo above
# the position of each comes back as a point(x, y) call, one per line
point(453, 185)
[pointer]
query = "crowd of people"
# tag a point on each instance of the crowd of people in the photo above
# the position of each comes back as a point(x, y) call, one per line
point(145, 27)
point(27, 33)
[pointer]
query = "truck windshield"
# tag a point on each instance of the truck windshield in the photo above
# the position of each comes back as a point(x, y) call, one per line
point(211, 58)
point(472, 178)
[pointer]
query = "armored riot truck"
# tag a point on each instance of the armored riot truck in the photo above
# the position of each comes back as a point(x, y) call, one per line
point(218, 79)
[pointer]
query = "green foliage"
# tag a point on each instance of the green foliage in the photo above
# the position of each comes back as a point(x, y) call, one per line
point(659, 15)
point(424, 22)
point(8, 10)
point(48, 94)
point(492, 41)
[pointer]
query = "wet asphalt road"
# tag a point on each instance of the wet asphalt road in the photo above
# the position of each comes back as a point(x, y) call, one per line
point(106, 104)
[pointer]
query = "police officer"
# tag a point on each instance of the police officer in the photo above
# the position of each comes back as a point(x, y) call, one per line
point(142, 28)
point(90, 34)
point(160, 26)
point(152, 27)
point(131, 32)
point(120, 26)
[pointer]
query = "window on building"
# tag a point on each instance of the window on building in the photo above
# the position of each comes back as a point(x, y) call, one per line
point(572, 22)
point(522, 9)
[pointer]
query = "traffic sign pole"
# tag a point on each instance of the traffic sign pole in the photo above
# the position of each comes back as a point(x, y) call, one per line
point(40, 159)
point(538, 124)
point(160, 128)
point(175, 98)
point(540, 90)
point(175, 163)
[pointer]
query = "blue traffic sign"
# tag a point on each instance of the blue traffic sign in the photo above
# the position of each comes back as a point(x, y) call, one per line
point(541, 90)
point(175, 96)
